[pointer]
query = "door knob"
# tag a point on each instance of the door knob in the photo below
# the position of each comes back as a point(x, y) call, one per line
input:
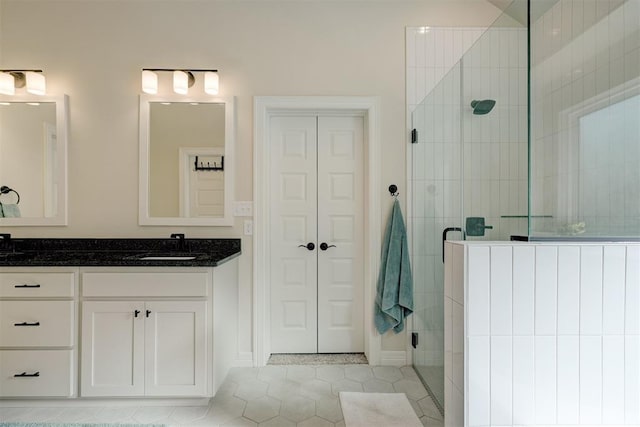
point(310, 246)
point(324, 246)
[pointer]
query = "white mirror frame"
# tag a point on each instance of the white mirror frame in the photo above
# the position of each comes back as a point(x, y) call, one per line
point(229, 160)
point(62, 132)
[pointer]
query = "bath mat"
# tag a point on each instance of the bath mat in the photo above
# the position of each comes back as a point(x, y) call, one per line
point(377, 410)
point(318, 359)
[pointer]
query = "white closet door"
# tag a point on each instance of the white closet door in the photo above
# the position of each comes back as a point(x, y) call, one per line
point(293, 212)
point(340, 224)
point(206, 194)
point(316, 195)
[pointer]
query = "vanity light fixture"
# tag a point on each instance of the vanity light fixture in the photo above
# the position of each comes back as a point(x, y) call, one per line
point(7, 84)
point(211, 82)
point(183, 79)
point(36, 84)
point(149, 82)
point(34, 81)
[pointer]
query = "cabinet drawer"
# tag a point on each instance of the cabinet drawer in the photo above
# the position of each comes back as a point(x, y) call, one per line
point(18, 370)
point(36, 285)
point(36, 323)
point(145, 284)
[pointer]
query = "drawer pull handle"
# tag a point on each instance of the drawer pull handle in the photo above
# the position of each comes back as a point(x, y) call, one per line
point(27, 324)
point(26, 286)
point(148, 313)
point(25, 375)
point(135, 313)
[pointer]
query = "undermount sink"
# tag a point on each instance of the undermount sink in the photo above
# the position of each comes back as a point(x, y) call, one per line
point(167, 258)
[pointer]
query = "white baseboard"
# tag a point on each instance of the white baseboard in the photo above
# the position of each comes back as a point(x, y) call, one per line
point(244, 360)
point(393, 358)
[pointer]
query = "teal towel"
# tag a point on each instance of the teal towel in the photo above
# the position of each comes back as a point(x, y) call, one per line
point(394, 297)
point(9, 211)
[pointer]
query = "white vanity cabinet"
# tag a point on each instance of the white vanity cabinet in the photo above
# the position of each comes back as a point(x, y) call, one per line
point(37, 332)
point(146, 333)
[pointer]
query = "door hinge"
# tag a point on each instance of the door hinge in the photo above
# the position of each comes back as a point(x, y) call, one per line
point(414, 339)
point(414, 136)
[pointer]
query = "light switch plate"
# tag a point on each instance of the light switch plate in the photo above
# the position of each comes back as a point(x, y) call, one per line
point(248, 227)
point(242, 208)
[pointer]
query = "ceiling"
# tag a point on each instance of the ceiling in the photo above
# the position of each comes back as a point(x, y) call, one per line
point(517, 9)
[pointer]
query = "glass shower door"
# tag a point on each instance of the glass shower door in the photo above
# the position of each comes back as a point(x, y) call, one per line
point(469, 172)
point(436, 205)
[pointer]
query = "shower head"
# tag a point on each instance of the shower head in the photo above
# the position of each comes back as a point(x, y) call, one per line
point(482, 107)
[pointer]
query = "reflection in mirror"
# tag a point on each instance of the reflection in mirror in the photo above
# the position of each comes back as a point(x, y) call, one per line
point(33, 161)
point(185, 156)
point(180, 132)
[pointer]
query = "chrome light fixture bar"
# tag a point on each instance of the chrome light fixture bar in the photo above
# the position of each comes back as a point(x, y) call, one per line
point(183, 79)
point(34, 80)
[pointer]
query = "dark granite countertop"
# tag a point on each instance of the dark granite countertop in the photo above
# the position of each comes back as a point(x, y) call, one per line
point(16, 252)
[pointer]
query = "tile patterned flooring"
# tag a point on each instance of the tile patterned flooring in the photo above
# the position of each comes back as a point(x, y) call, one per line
point(272, 396)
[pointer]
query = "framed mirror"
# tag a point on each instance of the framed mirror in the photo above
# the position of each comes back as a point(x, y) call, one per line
point(186, 161)
point(33, 160)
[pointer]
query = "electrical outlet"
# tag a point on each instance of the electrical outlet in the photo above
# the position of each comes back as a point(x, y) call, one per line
point(242, 208)
point(248, 227)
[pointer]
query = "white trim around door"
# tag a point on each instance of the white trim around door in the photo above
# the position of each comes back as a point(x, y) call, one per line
point(264, 107)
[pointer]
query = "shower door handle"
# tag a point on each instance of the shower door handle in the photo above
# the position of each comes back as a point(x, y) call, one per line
point(444, 236)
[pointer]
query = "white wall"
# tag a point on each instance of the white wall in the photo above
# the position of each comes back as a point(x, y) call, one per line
point(94, 52)
point(542, 334)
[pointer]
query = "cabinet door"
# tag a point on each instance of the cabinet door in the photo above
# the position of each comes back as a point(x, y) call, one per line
point(176, 348)
point(112, 348)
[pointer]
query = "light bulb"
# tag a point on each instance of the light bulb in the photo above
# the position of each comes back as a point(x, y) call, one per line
point(211, 83)
point(149, 82)
point(36, 84)
point(180, 82)
point(7, 84)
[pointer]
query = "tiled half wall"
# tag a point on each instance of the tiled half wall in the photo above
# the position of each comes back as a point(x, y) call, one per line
point(542, 334)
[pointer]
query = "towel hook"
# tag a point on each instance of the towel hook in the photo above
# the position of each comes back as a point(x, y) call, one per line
point(6, 190)
point(393, 189)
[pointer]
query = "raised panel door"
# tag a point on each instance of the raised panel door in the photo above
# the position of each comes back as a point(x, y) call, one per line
point(341, 227)
point(293, 213)
point(316, 198)
point(112, 362)
point(175, 348)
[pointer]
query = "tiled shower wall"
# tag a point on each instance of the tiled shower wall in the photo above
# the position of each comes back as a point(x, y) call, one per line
point(542, 334)
point(431, 53)
point(495, 145)
point(585, 57)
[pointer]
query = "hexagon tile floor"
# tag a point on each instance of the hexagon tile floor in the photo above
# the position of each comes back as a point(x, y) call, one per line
point(272, 396)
